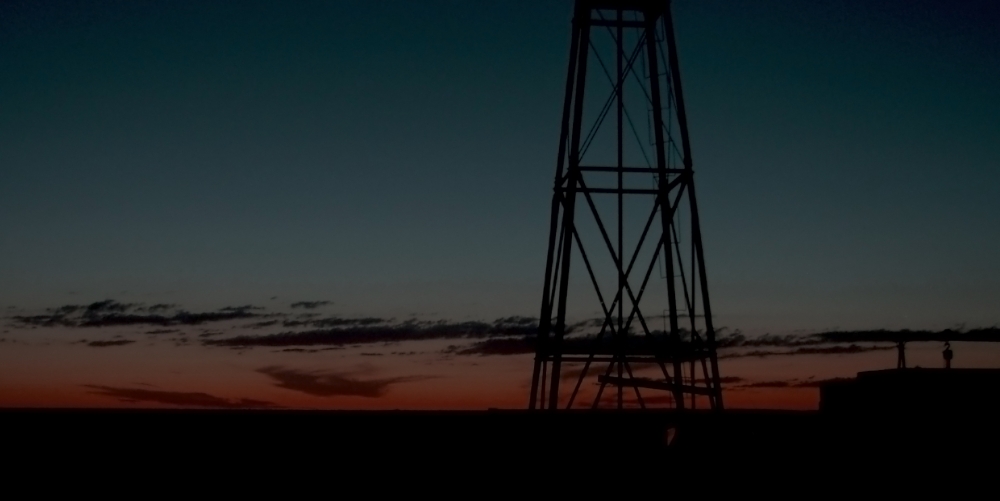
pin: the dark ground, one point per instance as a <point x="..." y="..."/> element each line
<point x="501" y="446"/>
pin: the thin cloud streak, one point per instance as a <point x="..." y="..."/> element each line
<point x="310" y="305"/>
<point x="333" y="384"/>
<point x="410" y="330"/>
<point x="178" y="398"/>
<point x="110" y="313"/>
<point x="790" y="383"/>
<point x="826" y="350"/>
<point x="513" y="335"/>
<point x="114" y="342"/>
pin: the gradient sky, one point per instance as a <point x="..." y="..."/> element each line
<point x="395" y="158"/>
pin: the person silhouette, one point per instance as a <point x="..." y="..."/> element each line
<point x="948" y="355"/>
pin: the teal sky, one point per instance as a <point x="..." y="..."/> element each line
<point x="396" y="158"/>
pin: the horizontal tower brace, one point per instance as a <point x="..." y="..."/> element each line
<point x="652" y="6"/>
<point x="650" y="170"/>
<point x="614" y="24"/>
<point x="624" y="191"/>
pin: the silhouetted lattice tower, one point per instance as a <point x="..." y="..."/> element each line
<point x="640" y="163"/>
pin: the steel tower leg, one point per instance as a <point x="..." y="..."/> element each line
<point x="641" y="34"/>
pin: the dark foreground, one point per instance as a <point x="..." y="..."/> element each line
<point x="280" y="444"/>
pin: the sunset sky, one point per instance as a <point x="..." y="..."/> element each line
<point x="345" y="204"/>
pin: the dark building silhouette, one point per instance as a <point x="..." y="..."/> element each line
<point x="914" y="391"/>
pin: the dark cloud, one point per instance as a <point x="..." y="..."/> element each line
<point x="66" y="310"/>
<point x="514" y="335"/>
<point x="331" y="384"/>
<point x="824" y="350"/>
<point x="593" y="323"/>
<point x="792" y="383"/>
<point x="182" y="399"/>
<point x="40" y="321"/>
<point x="585" y="345"/>
<point x="162" y="331"/>
<point x="115" y="342"/>
<point x="988" y="334"/>
<point x="262" y="324"/>
<point x="592" y="327"/>
<point x="528" y="322"/>
<point x="820" y="382"/>
<point x="571" y="345"/>
<point x="311" y="305"/>
<point x="498" y="346"/>
<point x="838" y="350"/>
<point x="158" y="307"/>
<point x="334" y="337"/>
<point x="179" y="318"/>
<point x="358" y="333"/>
<point x="247" y="307"/>
<point x="110" y="313"/>
<point x="574" y="373"/>
<point x="738" y="340"/>
<point x="108" y="306"/>
<point x="330" y="322"/>
<point x="767" y="384"/>
<point x="72" y="315"/>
